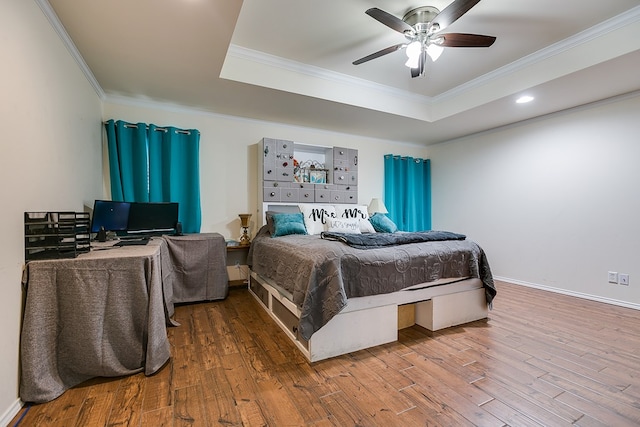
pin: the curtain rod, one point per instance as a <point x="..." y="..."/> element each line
<point x="415" y="159"/>
<point x="159" y="129"/>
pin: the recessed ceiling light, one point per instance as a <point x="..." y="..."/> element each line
<point x="524" y="99"/>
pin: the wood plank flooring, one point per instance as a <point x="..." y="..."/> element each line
<point x="541" y="359"/>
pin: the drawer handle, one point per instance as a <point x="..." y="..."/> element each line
<point x="275" y="184"/>
<point x="289" y="194"/>
<point x="322" y="196"/>
<point x="284" y="145"/>
<point x="355" y="160"/>
<point x="342" y="153"/>
<point x="273" y="194"/>
<point x="266" y="151"/>
<point x="285" y="164"/>
<point x="306" y="195"/>
<point x="269" y="171"/>
<point x="294" y="329"/>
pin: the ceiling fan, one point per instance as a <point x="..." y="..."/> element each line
<point x="421" y="27"/>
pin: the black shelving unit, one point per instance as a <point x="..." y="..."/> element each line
<point x="50" y="235"/>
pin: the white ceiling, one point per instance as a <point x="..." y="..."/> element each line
<point x="290" y="61"/>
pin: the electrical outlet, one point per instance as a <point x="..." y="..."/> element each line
<point x="613" y="277"/>
<point x="623" y="279"/>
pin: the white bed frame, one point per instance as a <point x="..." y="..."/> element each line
<point x="370" y="321"/>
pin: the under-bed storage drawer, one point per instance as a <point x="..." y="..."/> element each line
<point x="259" y="291"/>
<point x="447" y="310"/>
<point x="289" y="319"/>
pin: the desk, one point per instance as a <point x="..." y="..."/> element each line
<point x="100" y="314"/>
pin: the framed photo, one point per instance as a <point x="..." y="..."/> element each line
<point x="318" y="176"/>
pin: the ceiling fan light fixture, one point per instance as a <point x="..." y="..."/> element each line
<point x="421" y="27"/>
<point x="413" y="51"/>
<point x="434" y="51"/>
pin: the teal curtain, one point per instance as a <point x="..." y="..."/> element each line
<point x="148" y="163"/>
<point x="407" y="192"/>
<point x="127" y="145"/>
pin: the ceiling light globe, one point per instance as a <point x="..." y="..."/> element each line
<point x="434" y="51"/>
<point x="414" y="49"/>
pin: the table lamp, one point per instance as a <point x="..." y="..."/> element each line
<point x="244" y="222"/>
<point x="377" y="206"/>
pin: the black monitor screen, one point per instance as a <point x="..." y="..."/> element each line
<point x="110" y="215"/>
<point x="152" y="217"/>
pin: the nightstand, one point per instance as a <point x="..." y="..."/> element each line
<point x="237" y="267"/>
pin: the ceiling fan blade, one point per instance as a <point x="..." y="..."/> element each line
<point x="451" y="13"/>
<point x="378" y="54"/>
<point x="466" y="40"/>
<point x="389" y="20"/>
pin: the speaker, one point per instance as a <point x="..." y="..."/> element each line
<point x="178" y="229"/>
<point x="102" y="235"/>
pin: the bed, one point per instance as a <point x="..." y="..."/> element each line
<point x="332" y="297"/>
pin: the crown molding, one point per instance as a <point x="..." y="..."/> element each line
<point x="278" y="62"/>
<point x="71" y="47"/>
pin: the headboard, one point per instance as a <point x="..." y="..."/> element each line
<point x="290" y="173"/>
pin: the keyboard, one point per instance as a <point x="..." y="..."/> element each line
<point x="132" y="242"/>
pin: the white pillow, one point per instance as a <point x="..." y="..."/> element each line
<point x="348" y="225"/>
<point x="356" y="211"/>
<point x="316" y="216"/>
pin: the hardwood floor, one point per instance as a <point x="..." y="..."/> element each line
<point x="540" y="359"/>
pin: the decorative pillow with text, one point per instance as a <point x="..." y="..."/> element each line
<point x="316" y="217"/>
<point x="349" y="225"/>
<point x="358" y="212"/>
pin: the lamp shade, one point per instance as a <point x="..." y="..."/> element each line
<point x="376" y="206"/>
<point x="244" y="219"/>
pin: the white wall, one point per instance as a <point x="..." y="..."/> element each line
<point x="50" y="140"/>
<point x="554" y="202"/>
<point x="53" y="156"/>
<point x="229" y="163"/>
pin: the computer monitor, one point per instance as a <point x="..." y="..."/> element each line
<point x="152" y="218"/>
<point x="110" y="216"/>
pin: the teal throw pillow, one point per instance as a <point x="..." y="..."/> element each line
<point x="288" y="223"/>
<point x="382" y="224"/>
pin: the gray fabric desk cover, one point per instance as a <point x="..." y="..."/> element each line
<point x="197" y="267"/>
<point x="100" y="314"/>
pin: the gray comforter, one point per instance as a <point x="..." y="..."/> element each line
<point x="322" y="274"/>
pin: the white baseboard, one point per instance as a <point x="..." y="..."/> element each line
<point x="570" y="293"/>
<point x="11" y="412"/>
